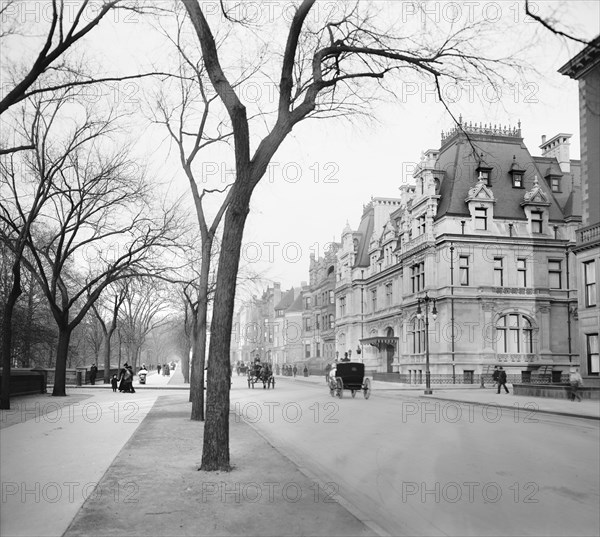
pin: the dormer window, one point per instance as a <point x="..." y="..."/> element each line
<point x="484" y="171"/>
<point x="555" y="183"/>
<point x="516" y="172"/>
<point x="536" y="221"/>
<point x="484" y="175"/>
<point x="481" y="218"/>
<point x="517" y="179"/>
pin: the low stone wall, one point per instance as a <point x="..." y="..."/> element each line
<point x="26" y="382"/>
<point x="555" y="391"/>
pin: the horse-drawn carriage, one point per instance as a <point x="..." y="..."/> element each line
<point x="349" y="376"/>
<point x="261" y="372"/>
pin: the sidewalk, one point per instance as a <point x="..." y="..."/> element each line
<point x="479" y="396"/>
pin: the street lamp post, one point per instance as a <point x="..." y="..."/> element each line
<point x="426" y="300"/>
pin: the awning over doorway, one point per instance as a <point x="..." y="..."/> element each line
<point x="380" y="341"/>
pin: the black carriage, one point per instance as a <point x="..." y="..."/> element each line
<point x="349" y="376"/>
<point x="261" y="373"/>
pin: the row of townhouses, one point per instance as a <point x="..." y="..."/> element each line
<point x="490" y="257"/>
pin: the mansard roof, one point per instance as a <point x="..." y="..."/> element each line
<point x="460" y="157"/>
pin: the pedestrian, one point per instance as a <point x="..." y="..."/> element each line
<point x="502" y="379"/>
<point x="575" y="382"/>
<point x="158" y="369"/>
<point x="114" y="381"/>
<point x="122" y="378"/>
<point x="93" y="374"/>
<point x="305" y="371"/>
<point x="130" y="380"/>
<point x="294" y="370"/>
<point x="495" y="375"/>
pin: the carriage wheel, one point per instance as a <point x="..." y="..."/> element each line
<point x="273" y="382"/>
<point x="339" y="388"/>
<point x="353" y="394"/>
<point x="367" y="388"/>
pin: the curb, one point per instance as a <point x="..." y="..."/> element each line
<point x="555" y="412"/>
<point x="350" y="507"/>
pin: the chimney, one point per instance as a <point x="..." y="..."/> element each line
<point x="558" y="147"/>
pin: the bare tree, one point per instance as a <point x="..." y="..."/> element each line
<point x="107" y="313"/>
<point x="22" y="197"/>
<point x="187" y="123"/>
<point x="552" y="23"/>
<point x="322" y="71"/>
<point x="66" y="28"/>
<point x="99" y="217"/>
<point x="145" y="308"/>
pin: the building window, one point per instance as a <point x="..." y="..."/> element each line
<point x="331" y="298"/>
<point x="515" y="334"/>
<point x="418" y="333"/>
<point x="317" y="323"/>
<point x="307" y="324"/>
<point x="593" y="359"/>
<point x="331" y="320"/>
<point x="521" y="272"/>
<point x="589" y="275"/>
<point x="480" y="218"/>
<point x="418" y="277"/>
<point x="554" y="274"/>
<point x="317" y="349"/>
<point x="307" y="350"/>
<point x="342" y="306"/>
<point x="374" y="300"/>
<point x="498" y="271"/>
<point x="307" y="302"/>
<point x="484" y="175"/>
<point x="463" y="269"/>
<point x="555" y="184"/>
<point x="517" y="180"/>
<point x="536" y="221"/>
<point x="421" y="225"/>
<point x="388" y="294"/>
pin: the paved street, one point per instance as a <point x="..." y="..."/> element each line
<point x="430" y="467"/>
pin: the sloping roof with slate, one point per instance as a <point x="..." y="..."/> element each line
<point x="286" y="300"/>
<point x="460" y="159"/>
<point x="297" y="305"/>
<point x="365" y="230"/>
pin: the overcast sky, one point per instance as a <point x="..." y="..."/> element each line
<point x="328" y="169"/>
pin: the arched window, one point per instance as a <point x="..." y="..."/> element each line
<point x="515" y="334"/>
<point x="418" y="335"/>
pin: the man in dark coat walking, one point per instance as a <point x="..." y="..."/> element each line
<point x="502" y="380"/>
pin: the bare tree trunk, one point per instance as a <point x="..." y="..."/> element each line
<point x="215" y="451"/>
<point x="62" y="353"/>
<point x="28" y="327"/>
<point x="13" y="296"/>
<point x="185" y="365"/>
<point x="199" y="360"/>
<point x="106" y="355"/>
